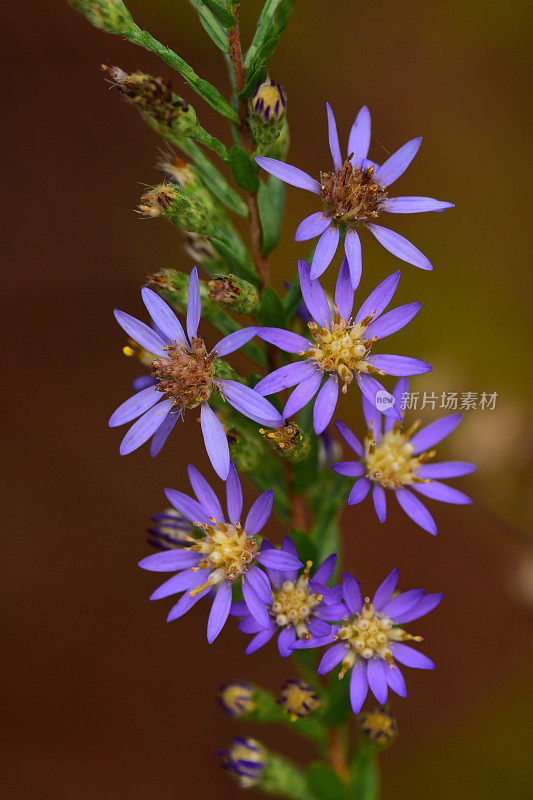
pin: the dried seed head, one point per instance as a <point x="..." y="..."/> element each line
<point x="351" y="195"/>
<point x="186" y="376"/>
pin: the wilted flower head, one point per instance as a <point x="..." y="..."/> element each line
<point x="245" y="758"/>
<point x="370" y="638"/>
<point x="236" y="699"/>
<point x="341" y="347"/>
<point x="296" y="605"/>
<point x="224" y="552"/>
<point x="185" y="373"/>
<point x="353" y="195"/>
<point x="395" y="456"/>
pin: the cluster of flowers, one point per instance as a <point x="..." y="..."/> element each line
<point x="212" y="553"/>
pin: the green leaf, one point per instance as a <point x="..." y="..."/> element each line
<point x="339" y="707"/>
<point x="283" y="778"/>
<point x="213" y="179"/>
<point x="270" y="25"/>
<point x="243" y="169"/>
<point x="271" y="312"/>
<point x="270" y="199"/>
<point x="364" y="773"/>
<point x="222" y="14"/>
<point x="306" y="548"/>
<point x="211" y="26"/>
<point x="238" y="262"/>
<point x="202" y="87"/>
<point x="324" y="783"/>
<point x="253" y="78"/>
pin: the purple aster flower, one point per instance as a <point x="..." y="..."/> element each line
<point x="341" y="347"/>
<point x="354" y="194"/>
<point x="394" y="456"/>
<point x="184" y="373"/>
<point x="370" y="639"/>
<point x="246" y="759"/>
<point x="297" y="601"/>
<point x="225" y="552"/>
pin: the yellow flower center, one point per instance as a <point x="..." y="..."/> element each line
<point x="390" y="461"/>
<point x="294" y="602"/>
<point x="185" y="375"/>
<point x="369" y="635"/>
<point x="351" y="194"/>
<point x="340" y="349"/>
<point x="227" y="551"/>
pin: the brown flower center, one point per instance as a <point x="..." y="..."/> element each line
<point x="341" y="348"/>
<point x="351" y="195"/>
<point x="185" y="375"/>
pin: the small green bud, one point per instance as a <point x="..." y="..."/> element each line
<point x="236" y="699"/>
<point x="378" y="725"/>
<point x="290" y="441"/>
<point x="298" y="699"/>
<point x="233" y="293"/>
<point x="108" y="15"/>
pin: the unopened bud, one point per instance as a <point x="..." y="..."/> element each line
<point x="378" y="726"/>
<point x="267" y="119"/>
<point x="236" y="699"/>
<point x="169" y="530"/>
<point x="268" y="101"/>
<point x="108" y="15"/>
<point x="246" y="759"/>
<point x="199" y="248"/>
<point x="290" y="441"/>
<point x="298" y="699"/>
<point x="233" y="293"/>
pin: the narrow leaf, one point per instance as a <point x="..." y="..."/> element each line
<point x="270" y="199"/>
<point x="271" y="312"/>
<point x="271" y="24"/>
<point x="211" y="26"/>
<point x="243" y="169"/>
<point x="324" y="783"/>
<point x="222" y="14"/>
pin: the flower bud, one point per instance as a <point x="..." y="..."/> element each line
<point x="236" y="699"/>
<point x="245" y="758"/>
<point x="289" y="441"/>
<point x="233" y="293"/>
<point x="267" y="117"/>
<point x="268" y="102"/>
<point x="169" y="530"/>
<point x="378" y="726"/>
<point x="298" y="699"/>
<point x="108" y="15"/>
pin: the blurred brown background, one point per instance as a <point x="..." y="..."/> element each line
<point x="102" y="697"/>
